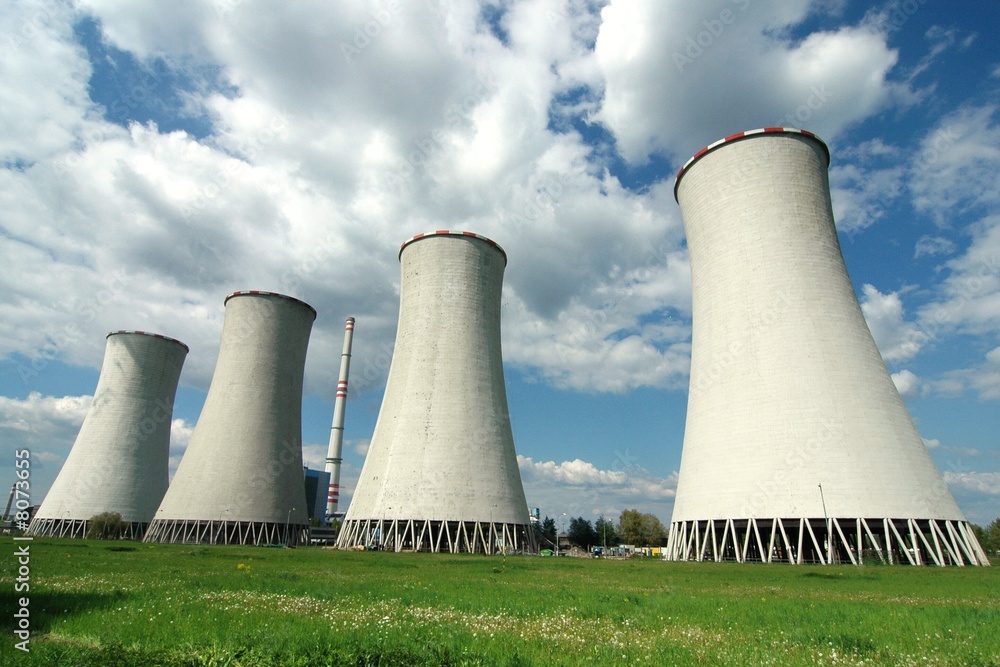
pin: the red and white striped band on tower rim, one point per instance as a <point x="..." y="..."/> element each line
<point x="747" y="135"/>
<point x="448" y="232"/>
<point x="148" y="333"/>
<point x="257" y="292"/>
<point x="350" y="323"/>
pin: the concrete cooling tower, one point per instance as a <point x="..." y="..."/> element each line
<point x="441" y="473"/>
<point x="119" y="462"/>
<point x="797" y="446"/>
<point x="240" y="481"/>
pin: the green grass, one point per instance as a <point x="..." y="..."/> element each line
<point x="100" y="603"/>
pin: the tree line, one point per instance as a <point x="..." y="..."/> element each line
<point x="989" y="539"/>
<point x="645" y="530"/>
<point x="633" y="527"/>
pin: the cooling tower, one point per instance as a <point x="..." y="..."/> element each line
<point x="240" y="481"/>
<point x="119" y="462"/>
<point x="441" y="472"/>
<point x="333" y="454"/>
<point x="797" y="445"/>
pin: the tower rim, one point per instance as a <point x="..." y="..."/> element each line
<point x="748" y="134"/>
<point x="450" y="232"/>
<point x="255" y="292"/>
<point x="138" y="332"/>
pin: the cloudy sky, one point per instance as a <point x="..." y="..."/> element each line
<point x="158" y="156"/>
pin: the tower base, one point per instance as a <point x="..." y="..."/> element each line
<point x="257" y="533"/>
<point x="827" y="541"/>
<point x="77" y="528"/>
<point x="437" y="536"/>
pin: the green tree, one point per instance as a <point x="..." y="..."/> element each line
<point x="105" y="526"/>
<point x="582" y="533"/>
<point x="607" y="533"/>
<point x="658" y="532"/>
<point x="548" y="530"/>
<point x="980" y="534"/>
<point x="991" y="545"/>
<point x="630" y="528"/>
<point x="641" y="530"/>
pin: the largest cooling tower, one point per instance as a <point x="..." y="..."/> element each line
<point x="797" y="445"/>
<point x="240" y="481"/>
<point x="441" y="473"/>
<point x="119" y="462"/>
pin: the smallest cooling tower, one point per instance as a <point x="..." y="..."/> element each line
<point x="441" y="473"/>
<point x="119" y="462"/>
<point x="240" y="481"/>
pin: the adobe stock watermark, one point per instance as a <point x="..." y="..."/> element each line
<point x="377" y="365"/>
<point x="935" y="147"/>
<point x="712" y="29"/>
<point x="817" y="99"/>
<point x="946" y="316"/>
<point x="827" y="436"/>
<point x="318" y="256"/>
<point x="898" y="14"/>
<point x="425" y="148"/>
<point x="545" y="194"/>
<point x="33" y="23"/>
<point x="939" y="143"/>
<point x="224" y="7"/>
<point x="707" y="375"/>
<point x="248" y="149"/>
<point x="22" y="582"/>
<point x="365" y="33"/>
<point x="139" y="94"/>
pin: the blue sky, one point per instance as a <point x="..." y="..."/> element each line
<point x="156" y="158"/>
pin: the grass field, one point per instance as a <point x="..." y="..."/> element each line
<point x="126" y="603"/>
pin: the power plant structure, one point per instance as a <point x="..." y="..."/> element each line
<point x="797" y="446"/>
<point x="317" y="482"/>
<point x="10" y="501"/>
<point x="334" y="455"/>
<point x="119" y="462"/>
<point x="441" y="473"/>
<point x="240" y="480"/>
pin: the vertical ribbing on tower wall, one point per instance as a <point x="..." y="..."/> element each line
<point x="240" y="481"/>
<point x="790" y="404"/>
<point x="119" y="461"/>
<point x="441" y="472"/>
<point x="335" y="451"/>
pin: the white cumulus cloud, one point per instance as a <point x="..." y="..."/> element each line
<point x="46" y="425"/>
<point x="897" y="339"/>
<point x="984" y="483"/>
<point x="656" y="57"/>
<point x="579" y="488"/>
<point x="906" y="382"/>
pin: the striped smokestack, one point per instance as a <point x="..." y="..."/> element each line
<point x="333" y="455"/>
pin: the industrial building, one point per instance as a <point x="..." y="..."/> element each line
<point x="441" y="473"/>
<point x="240" y="480"/>
<point x="797" y="446"/>
<point x="317" y="482"/>
<point x="120" y="459"/>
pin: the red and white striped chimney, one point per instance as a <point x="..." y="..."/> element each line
<point x="333" y="455"/>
